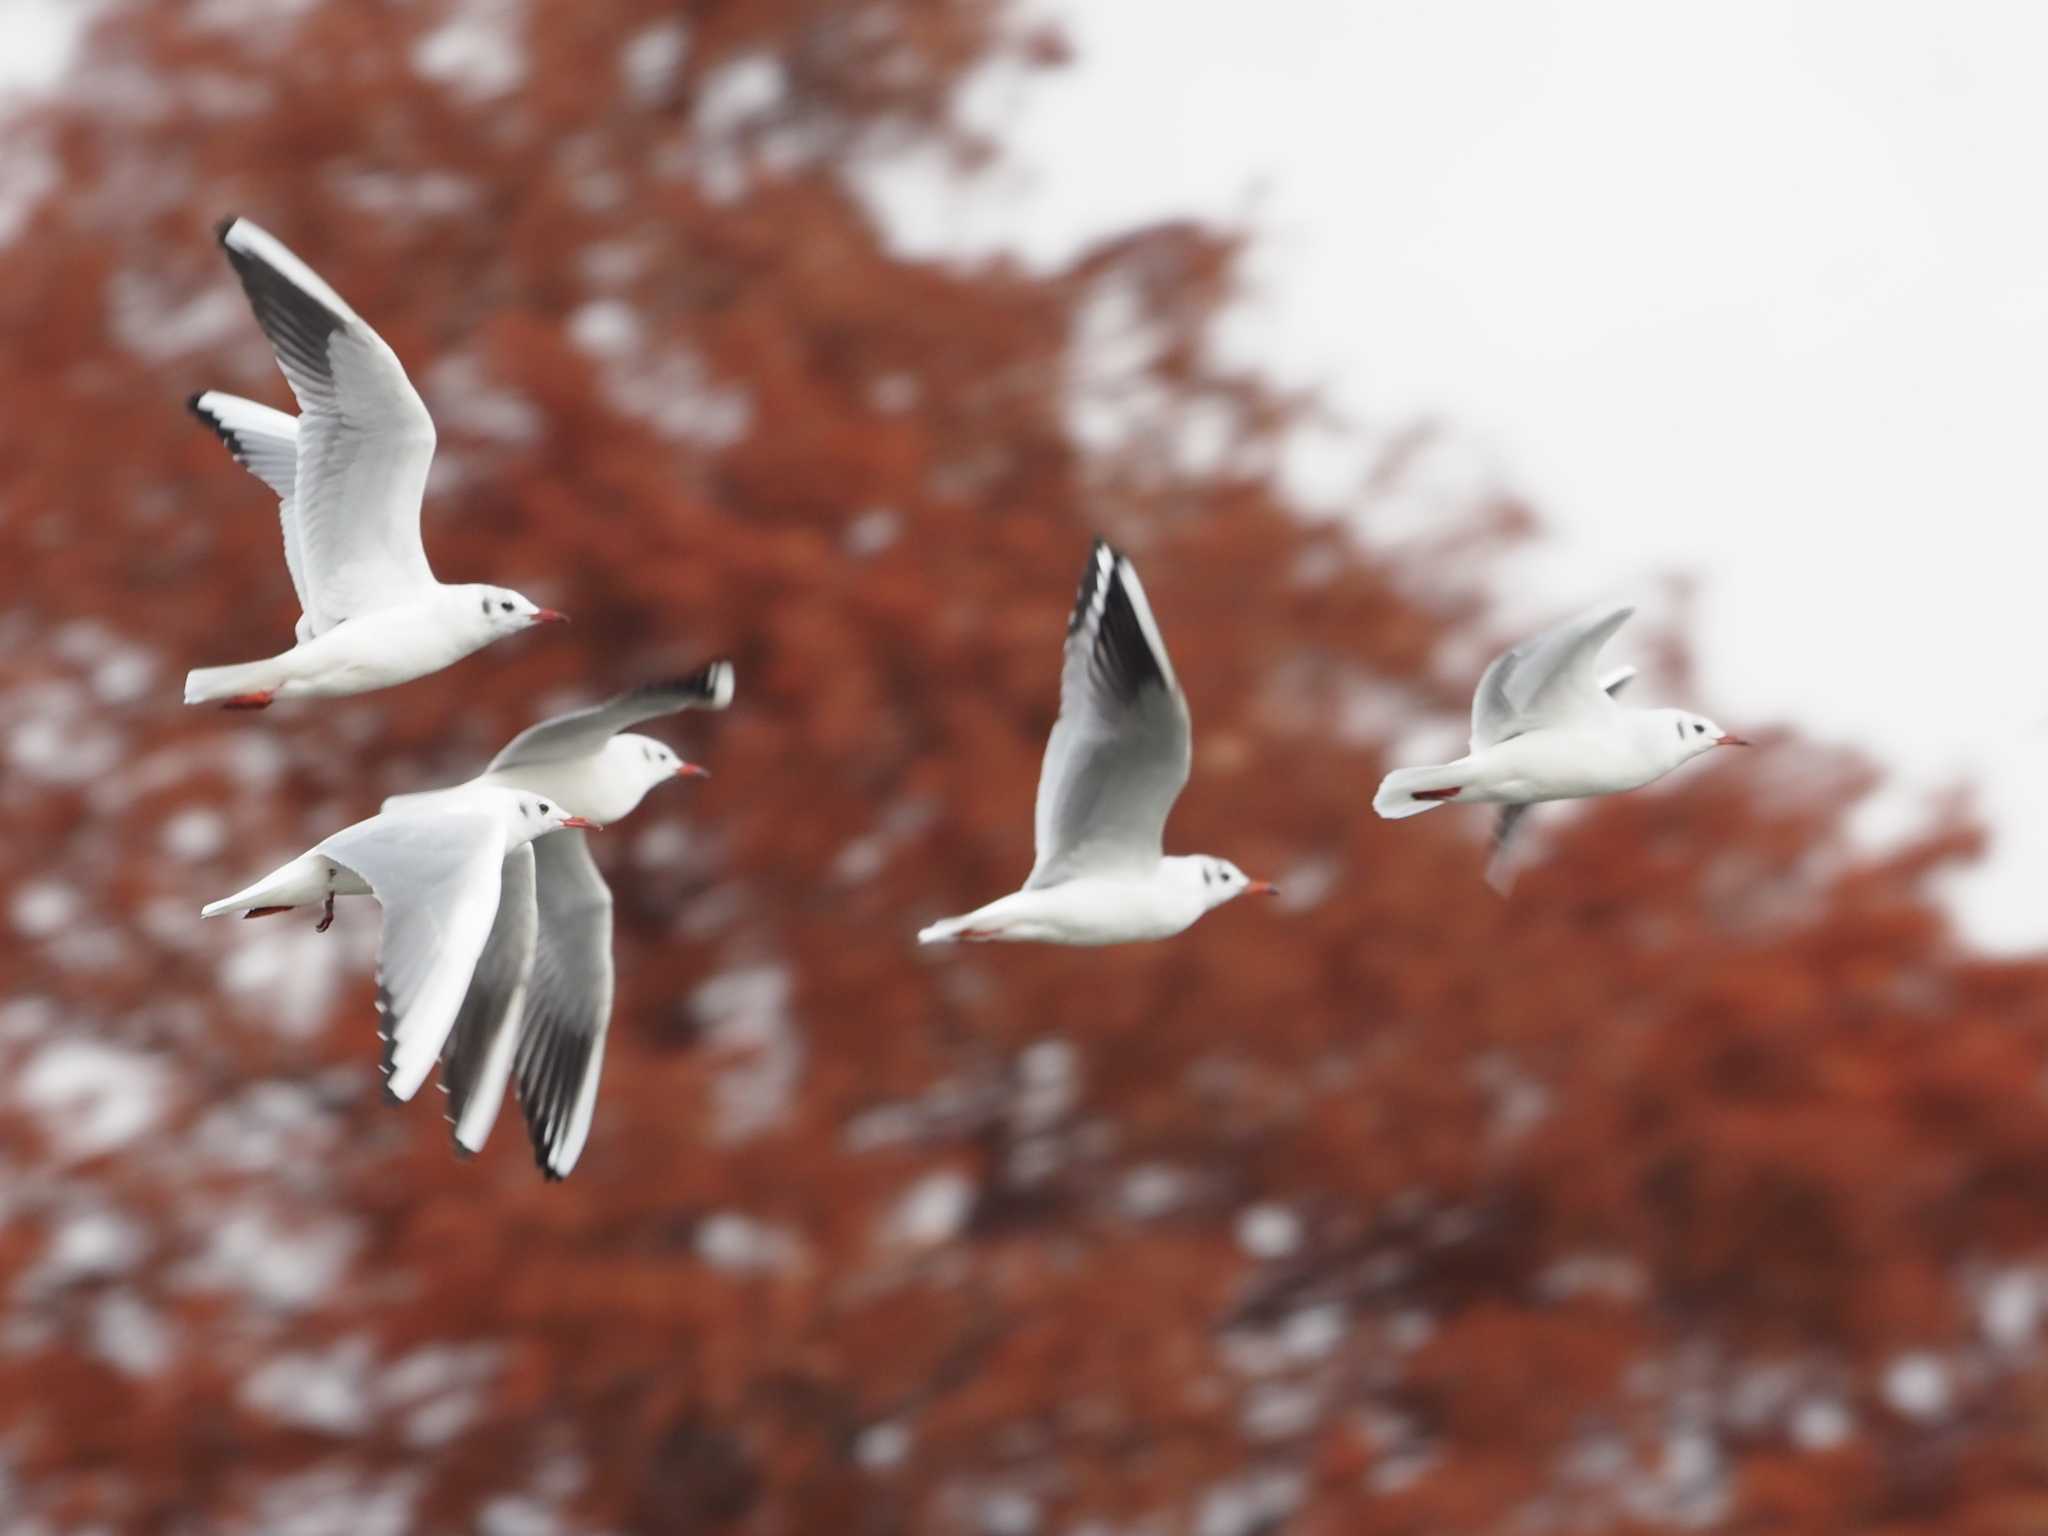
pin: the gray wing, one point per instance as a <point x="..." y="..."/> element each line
<point x="1119" y="752"/>
<point x="1500" y="872"/>
<point x="437" y="878"/>
<point x="365" y="440"/>
<point x="568" y="1004"/>
<point x="585" y="732"/>
<point x="266" y="443"/>
<point x="476" y="1063"/>
<point x="1547" y="681"/>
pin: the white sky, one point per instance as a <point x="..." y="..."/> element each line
<point x="1757" y="290"/>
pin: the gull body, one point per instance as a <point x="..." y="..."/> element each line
<point x="540" y="1026"/>
<point x="1114" y="766"/>
<point x="445" y="875"/>
<point x="349" y="472"/>
<point x="1547" y="726"/>
<point x="1102" y="909"/>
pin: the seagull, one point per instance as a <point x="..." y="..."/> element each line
<point x="554" y="1043"/>
<point x="349" y="472"/>
<point x="448" y="877"/>
<point x="1546" y="726"/>
<point x="1114" y="765"/>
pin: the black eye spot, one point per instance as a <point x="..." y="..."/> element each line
<point x="543" y="807"/>
<point x="506" y="606"/>
<point x="486" y="609"/>
<point x="1681" y="730"/>
<point x="1700" y="730"/>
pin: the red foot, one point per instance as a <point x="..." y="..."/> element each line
<point x="979" y="935"/>
<point x="1437" y="794"/>
<point x="263" y="912"/>
<point x="326" y="915"/>
<point x="250" y="700"/>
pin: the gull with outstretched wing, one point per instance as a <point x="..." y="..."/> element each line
<point x="538" y="1007"/>
<point x="1114" y="765"/>
<point x="349" y="472"/>
<point x="1546" y="726"/>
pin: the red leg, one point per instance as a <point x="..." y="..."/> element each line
<point x="1437" y="794"/>
<point x="326" y="915"/>
<point x="250" y="700"/>
<point x="980" y="935"/>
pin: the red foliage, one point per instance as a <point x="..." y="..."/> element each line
<point x="1700" y="1181"/>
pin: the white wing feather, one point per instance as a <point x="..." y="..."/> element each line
<point x="1119" y="753"/>
<point x="365" y="440"/>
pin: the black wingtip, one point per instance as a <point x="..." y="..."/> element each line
<point x="220" y="230"/>
<point x="192" y="404"/>
<point x="1092" y="575"/>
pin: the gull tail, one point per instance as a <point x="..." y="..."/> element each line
<point x="945" y="931"/>
<point x="246" y="680"/>
<point x="1411" y="791"/>
<point x="301" y="883"/>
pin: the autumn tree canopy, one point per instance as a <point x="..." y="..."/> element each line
<point x="1705" y="1181"/>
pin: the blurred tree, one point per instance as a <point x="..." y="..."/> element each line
<point x="1700" y="1183"/>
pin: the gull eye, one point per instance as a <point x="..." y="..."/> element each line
<point x="506" y="606"/>
<point x="543" y="807"/>
<point x="1700" y="730"/>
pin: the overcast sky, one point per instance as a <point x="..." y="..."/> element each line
<point x="1757" y="291"/>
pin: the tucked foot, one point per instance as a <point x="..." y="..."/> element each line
<point x="250" y="700"/>
<point x="263" y="912"/>
<point x="326" y="915"/>
<point x="979" y="935"/>
<point x="1436" y="794"/>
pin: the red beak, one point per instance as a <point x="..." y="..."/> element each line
<point x="550" y="616"/>
<point x="1262" y="888"/>
<point x="691" y="771"/>
<point x="584" y="824"/>
<point x="1732" y="741"/>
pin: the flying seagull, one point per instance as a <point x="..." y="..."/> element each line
<point x="349" y="472"/>
<point x="447" y="876"/>
<point x="1115" y="764"/>
<point x="553" y="1046"/>
<point x="1546" y="726"/>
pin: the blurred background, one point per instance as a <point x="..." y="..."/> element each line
<point x="1703" y="1184"/>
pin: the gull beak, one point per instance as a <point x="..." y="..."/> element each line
<point x="692" y="771"/>
<point x="1732" y="741"/>
<point x="1262" y="888"/>
<point x="584" y="824"/>
<point x="550" y="616"/>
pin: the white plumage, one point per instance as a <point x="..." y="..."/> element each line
<point x="1114" y="765"/>
<point x="349" y="473"/>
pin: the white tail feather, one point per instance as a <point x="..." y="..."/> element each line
<point x="203" y="685"/>
<point x="1396" y="797"/>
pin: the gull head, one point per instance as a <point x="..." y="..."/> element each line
<point x="502" y="611"/>
<point x="1219" y="880"/>
<point x="1684" y="735"/>
<point x="535" y="816"/>
<point x="633" y="765"/>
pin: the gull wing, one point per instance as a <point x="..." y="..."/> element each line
<point x="437" y="878"/>
<point x="584" y="732"/>
<point x="365" y="441"/>
<point x="1119" y="752"/>
<point x="569" y="1003"/>
<point x="476" y="1062"/>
